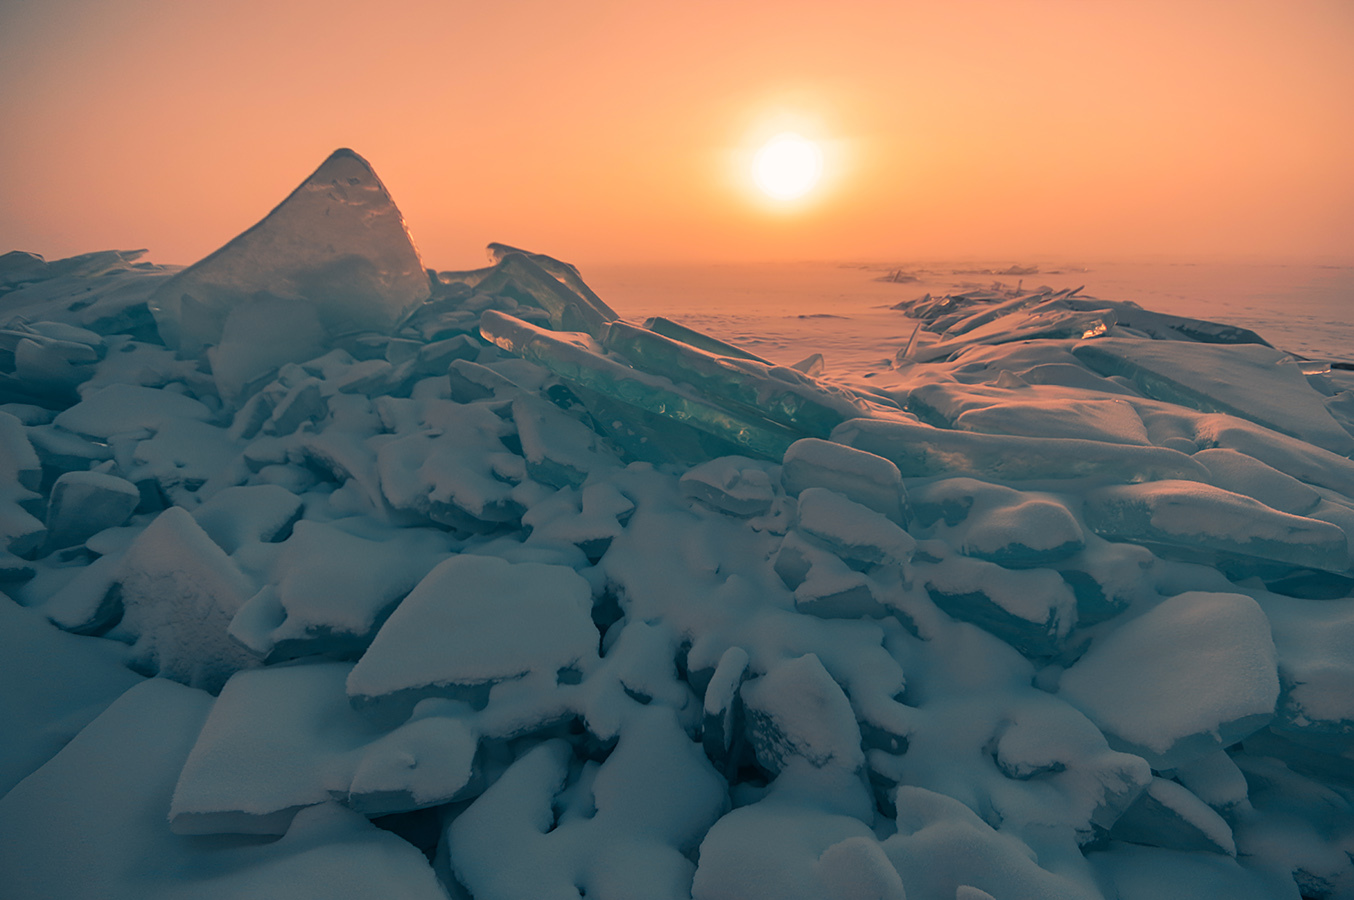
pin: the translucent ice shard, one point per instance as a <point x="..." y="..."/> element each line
<point x="780" y="394"/>
<point x="337" y="247"/>
<point x="698" y="339"/>
<point x="578" y="360"/>
<point x="571" y="308"/>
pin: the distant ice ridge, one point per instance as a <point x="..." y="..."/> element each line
<point x="335" y="577"/>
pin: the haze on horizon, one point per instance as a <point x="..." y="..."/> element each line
<point x="614" y="133"/>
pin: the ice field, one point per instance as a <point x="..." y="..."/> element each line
<point x="331" y="575"/>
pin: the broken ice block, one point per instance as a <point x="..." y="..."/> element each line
<point x="1242" y="474"/>
<point x="20" y="475"/>
<point x="1049" y="322"/>
<point x="731" y="484"/>
<point x="922" y="451"/>
<point x="699" y="339"/>
<point x="853" y="531"/>
<point x="458" y="472"/>
<point x="1027" y="533"/>
<point x="474" y="621"/>
<point x="333" y="588"/>
<point x="283" y="738"/>
<point x="123" y="408"/>
<point x="336" y="246"/>
<point x="241" y="515"/>
<point x="796" y="710"/>
<point x="778" y="393"/>
<point x="178" y="591"/>
<point x="525" y="281"/>
<point x="1190" y="517"/>
<point x="1033" y="610"/>
<point x="577" y="360"/>
<point x="1190" y="676"/>
<point x="565" y="272"/>
<point x="722" y="723"/>
<point x="1168" y="815"/>
<point x="823" y="584"/>
<point x="864" y="477"/>
<point x="84" y="503"/>
<point x="559" y="449"/>
<point x="1249" y="381"/>
<point x="554" y="826"/>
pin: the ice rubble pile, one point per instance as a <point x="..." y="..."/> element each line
<point x="459" y="585"/>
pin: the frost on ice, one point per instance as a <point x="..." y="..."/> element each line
<point x="332" y="576"/>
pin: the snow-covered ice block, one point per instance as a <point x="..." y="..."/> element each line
<point x="1252" y="382"/>
<point x="853" y="531"/>
<point x="922" y="451"/>
<point x="731" y="484"/>
<point x="93" y="819"/>
<point x="1136" y="872"/>
<point x="185" y="456"/>
<point x="84" y="503"/>
<point x="1193" y="674"/>
<point x="283" y="738"/>
<point x="332" y="588"/>
<point x="942" y="846"/>
<point x="559" y="449"/>
<point x="823" y="584"/>
<point x="556" y="826"/>
<point x="722" y="721"/>
<point x="336" y="247"/>
<point x="866" y="478"/>
<point x="1033" y="610"/>
<point x="797" y="710"/>
<point x="240" y="515"/>
<point x="1215" y="779"/>
<point x="1315" y="644"/>
<point x="1026" y="533"/>
<point x="1193" y="517"/>
<point x="589" y="519"/>
<point x="1242" y="474"/>
<point x="474" y="621"/>
<point x="770" y="850"/>
<point x="1112" y="421"/>
<point x="123" y="408"/>
<point x="1168" y="815"/>
<point x="179" y="591"/>
<point x="857" y="869"/>
<point x="458" y="472"/>
<point x="20" y="476"/>
<point x="51" y="685"/>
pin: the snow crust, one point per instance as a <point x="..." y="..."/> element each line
<point x="330" y="576"/>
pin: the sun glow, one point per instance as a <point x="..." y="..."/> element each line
<point x="788" y="166"/>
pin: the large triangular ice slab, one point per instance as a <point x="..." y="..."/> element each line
<point x="335" y="252"/>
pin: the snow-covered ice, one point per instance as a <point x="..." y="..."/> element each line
<point x="328" y="575"/>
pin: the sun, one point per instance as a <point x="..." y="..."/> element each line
<point x="788" y="166"/>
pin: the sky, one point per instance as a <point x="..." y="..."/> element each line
<point x="615" y="133"/>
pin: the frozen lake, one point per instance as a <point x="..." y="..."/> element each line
<point x="787" y="311"/>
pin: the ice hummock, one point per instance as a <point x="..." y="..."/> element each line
<point x="332" y="258"/>
<point x="497" y="594"/>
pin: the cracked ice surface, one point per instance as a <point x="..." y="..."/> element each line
<point x="328" y="576"/>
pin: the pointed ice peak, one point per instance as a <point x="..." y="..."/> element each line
<point x="337" y="245"/>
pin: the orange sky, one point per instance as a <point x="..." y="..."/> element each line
<point x="607" y="132"/>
